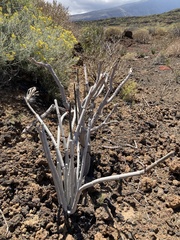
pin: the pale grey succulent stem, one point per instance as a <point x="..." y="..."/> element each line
<point x="73" y="151"/>
<point x="116" y="178"/>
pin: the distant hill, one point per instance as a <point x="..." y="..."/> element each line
<point x="141" y="8"/>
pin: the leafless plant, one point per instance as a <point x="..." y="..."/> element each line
<point x="7" y="227"/>
<point x="73" y="162"/>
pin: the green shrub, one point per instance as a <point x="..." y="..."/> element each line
<point x="128" y="91"/>
<point x="91" y="39"/>
<point x="26" y="32"/>
<point x="153" y="51"/>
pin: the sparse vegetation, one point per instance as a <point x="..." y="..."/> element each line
<point x="177" y="76"/>
<point x="74" y="161"/>
<point x="113" y="34"/>
<point x="174" y="30"/>
<point x="161" y="59"/>
<point x="56" y="12"/>
<point x="91" y="39"/>
<point x="128" y="91"/>
<point x="157" y="31"/>
<point x="173" y="50"/>
<point x="141" y="36"/>
<point x="166" y="19"/>
<point x="88" y="162"/>
<point x="130" y="56"/>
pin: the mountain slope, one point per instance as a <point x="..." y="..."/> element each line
<point x="141" y="8"/>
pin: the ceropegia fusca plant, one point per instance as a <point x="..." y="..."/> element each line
<point x="73" y="152"/>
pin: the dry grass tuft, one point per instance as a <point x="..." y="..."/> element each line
<point x="130" y="56"/>
<point x="173" y="50"/>
<point x="157" y="31"/>
<point x="142" y="36"/>
<point x="113" y="34"/>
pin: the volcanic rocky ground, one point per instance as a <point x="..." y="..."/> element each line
<point x="141" y="208"/>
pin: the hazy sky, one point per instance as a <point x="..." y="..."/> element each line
<point x="81" y="6"/>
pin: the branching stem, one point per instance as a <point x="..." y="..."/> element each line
<point x="73" y="158"/>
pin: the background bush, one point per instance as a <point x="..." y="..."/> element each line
<point x="26" y="31"/>
<point x="141" y="35"/>
<point x="128" y="91"/>
<point x="113" y="34"/>
<point x="157" y="31"/>
<point x="58" y="13"/>
<point x="173" y="50"/>
<point x="91" y="39"/>
<point x="175" y="31"/>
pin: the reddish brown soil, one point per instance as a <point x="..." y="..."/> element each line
<point x="144" y="208"/>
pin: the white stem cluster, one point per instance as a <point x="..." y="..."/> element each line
<point x="73" y="162"/>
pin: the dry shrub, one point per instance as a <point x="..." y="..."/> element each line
<point x="152" y="31"/>
<point x="173" y="50"/>
<point x="157" y="31"/>
<point x="175" y="31"/>
<point x="177" y="76"/>
<point x="161" y="59"/>
<point x="56" y="11"/>
<point x="160" y="31"/>
<point x="141" y="36"/>
<point x="130" y="56"/>
<point x="115" y="50"/>
<point x="113" y="34"/>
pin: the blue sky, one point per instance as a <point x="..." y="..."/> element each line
<point x="81" y="6"/>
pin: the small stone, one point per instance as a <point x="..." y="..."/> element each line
<point x="164" y="67"/>
<point x="99" y="236"/>
<point x="49" y="225"/>
<point x="152" y="236"/>
<point x="22" y="151"/>
<point x="160" y="193"/>
<point x="127" y="169"/>
<point x="23" y="229"/>
<point x="129" y="158"/>
<point x="69" y="237"/>
<point x="31" y="222"/>
<point x="3" y="170"/>
<point x="23" y="136"/>
<point x="36" y="200"/>
<point x="176" y="182"/>
<point x="112" y="153"/>
<point x="151" y="124"/>
<point x="178" y="115"/>
<point x="41" y="234"/>
<point x="173" y="201"/>
<point x="174" y="166"/>
<point x="148" y="183"/>
<point x="170" y="232"/>
<point x="14" y="222"/>
<point x="166" y="190"/>
<point x="119" y="199"/>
